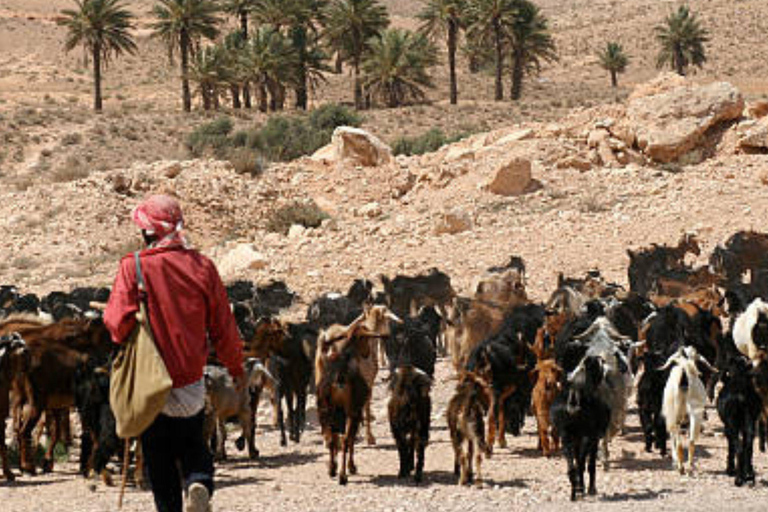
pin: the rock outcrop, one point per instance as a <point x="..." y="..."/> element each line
<point x="673" y="122"/>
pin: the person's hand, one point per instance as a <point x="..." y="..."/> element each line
<point x="239" y="383"/>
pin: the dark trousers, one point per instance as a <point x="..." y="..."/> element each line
<point x="174" y="449"/>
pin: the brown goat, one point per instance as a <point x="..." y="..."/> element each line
<point x="506" y="289"/>
<point x="55" y="352"/>
<point x="342" y="394"/>
<point x="14" y="360"/>
<point x="546" y="377"/>
<point x="465" y="414"/>
<point x="369" y="327"/>
<point x="471" y="322"/>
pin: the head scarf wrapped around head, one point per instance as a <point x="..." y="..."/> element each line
<point x="161" y="217"/>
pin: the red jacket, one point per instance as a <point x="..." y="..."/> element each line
<point x="187" y="307"/>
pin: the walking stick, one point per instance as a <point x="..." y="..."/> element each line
<point x="126" y="463"/>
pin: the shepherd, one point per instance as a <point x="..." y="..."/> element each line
<point x="187" y="307"/>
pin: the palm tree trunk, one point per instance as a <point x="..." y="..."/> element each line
<point x="453" y="30"/>
<point x="614" y="78"/>
<point x="185" y="92"/>
<point x="679" y="67"/>
<point x="358" y="86"/>
<point x="338" y="66"/>
<point x="518" y="73"/>
<point x="235" y="90"/>
<point x="499" y="60"/>
<point x="244" y="23"/>
<point x="205" y="93"/>
<point x="97" y="77"/>
<point x="263" y="99"/>
<point x="247" y="96"/>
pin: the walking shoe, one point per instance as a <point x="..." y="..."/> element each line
<point x="198" y="499"/>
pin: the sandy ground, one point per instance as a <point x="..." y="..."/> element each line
<point x="295" y="478"/>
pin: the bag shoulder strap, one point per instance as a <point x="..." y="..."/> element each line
<point x="139" y="273"/>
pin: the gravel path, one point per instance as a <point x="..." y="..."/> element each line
<point x="295" y="478"/>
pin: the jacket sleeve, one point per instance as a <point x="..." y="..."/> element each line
<point x="120" y="315"/>
<point x="222" y="330"/>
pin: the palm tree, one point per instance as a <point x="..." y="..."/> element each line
<point x="531" y="43"/>
<point x="353" y="25"/>
<point x="102" y="27"/>
<point x="180" y="23"/>
<point x="614" y="60"/>
<point x="444" y="19"/>
<point x="304" y="19"/>
<point x="233" y="45"/>
<point x="682" y="41"/>
<point x="210" y="70"/>
<point x="241" y="9"/>
<point x="396" y="68"/>
<point x="275" y="13"/>
<point x="269" y="63"/>
<point x="488" y="20"/>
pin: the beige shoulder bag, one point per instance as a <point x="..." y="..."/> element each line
<point x="139" y="384"/>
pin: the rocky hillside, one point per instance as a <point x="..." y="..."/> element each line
<point x="567" y="196"/>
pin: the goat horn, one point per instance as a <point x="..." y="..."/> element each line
<point x="99" y="306"/>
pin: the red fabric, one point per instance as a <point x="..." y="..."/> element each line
<point x="187" y="306"/>
<point x="160" y="215"/>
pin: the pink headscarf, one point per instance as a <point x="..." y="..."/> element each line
<point x="161" y="216"/>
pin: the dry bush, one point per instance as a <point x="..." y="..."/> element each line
<point x="306" y="214"/>
<point x="247" y="161"/>
<point x="71" y="170"/>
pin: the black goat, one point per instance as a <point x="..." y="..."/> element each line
<point x="581" y="419"/>
<point x="650" y="393"/>
<point x="292" y="367"/>
<point x="739" y="407"/>
<point x="335" y="308"/>
<point x="99" y="435"/>
<point x="410" y="411"/>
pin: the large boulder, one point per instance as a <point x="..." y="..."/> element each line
<point x="754" y="135"/>
<point x="511" y="179"/>
<point x="359" y="147"/>
<point x="241" y="258"/>
<point x="673" y="122"/>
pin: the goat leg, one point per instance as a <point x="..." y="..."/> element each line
<point x="280" y="419"/>
<point x="478" y="464"/>
<point x="355" y="428"/>
<point x="591" y="463"/>
<point x="492" y="420"/>
<point x="333" y="448"/>
<point x="749" y="442"/>
<point x="730" y="467"/>
<point x="570" y="457"/>
<point x="421" y="445"/>
<point x="7" y="473"/>
<point x="368" y="420"/>
<point x="344" y="452"/>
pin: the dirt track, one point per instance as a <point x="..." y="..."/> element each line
<point x="295" y="478"/>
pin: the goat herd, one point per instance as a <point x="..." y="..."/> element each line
<point x="679" y="337"/>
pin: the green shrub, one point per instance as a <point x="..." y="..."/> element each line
<point x="425" y="143"/>
<point x="213" y="135"/>
<point x="307" y="214"/>
<point x="282" y="138"/>
<point x="332" y="115"/>
<point x="286" y="138"/>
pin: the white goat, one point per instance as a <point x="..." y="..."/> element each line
<point x="750" y="330"/>
<point x="684" y="395"/>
